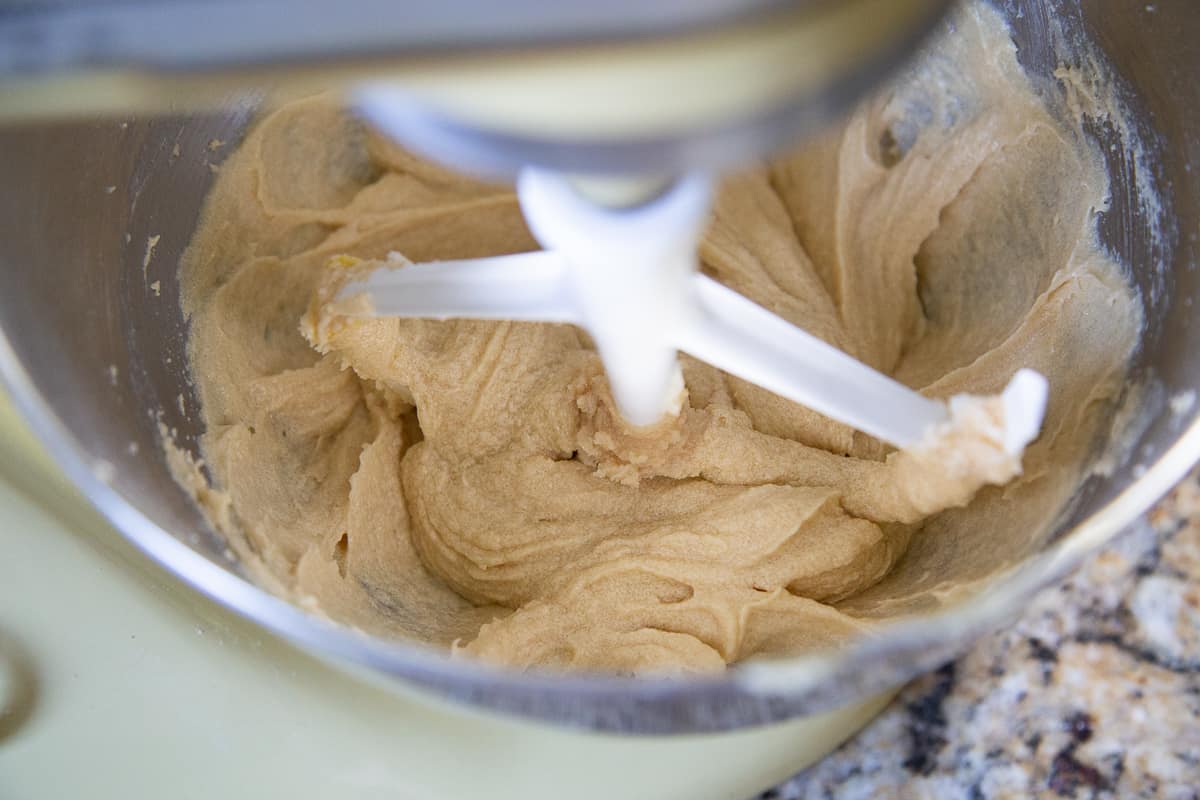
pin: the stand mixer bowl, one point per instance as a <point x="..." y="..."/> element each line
<point x="94" y="217"/>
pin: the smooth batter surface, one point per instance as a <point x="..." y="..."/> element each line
<point x="469" y="483"/>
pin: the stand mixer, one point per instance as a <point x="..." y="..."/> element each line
<point x="621" y="110"/>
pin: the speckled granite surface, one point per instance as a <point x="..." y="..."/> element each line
<point x="1095" y="693"/>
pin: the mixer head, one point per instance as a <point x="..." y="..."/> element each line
<point x="623" y="87"/>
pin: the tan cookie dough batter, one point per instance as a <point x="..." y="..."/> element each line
<point x="468" y="483"/>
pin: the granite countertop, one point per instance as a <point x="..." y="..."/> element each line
<point x="1095" y="693"/>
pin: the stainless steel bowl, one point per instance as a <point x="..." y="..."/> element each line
<point x="93" y="354"/>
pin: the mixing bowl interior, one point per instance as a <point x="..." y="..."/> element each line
<point x="94" y="216"/>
